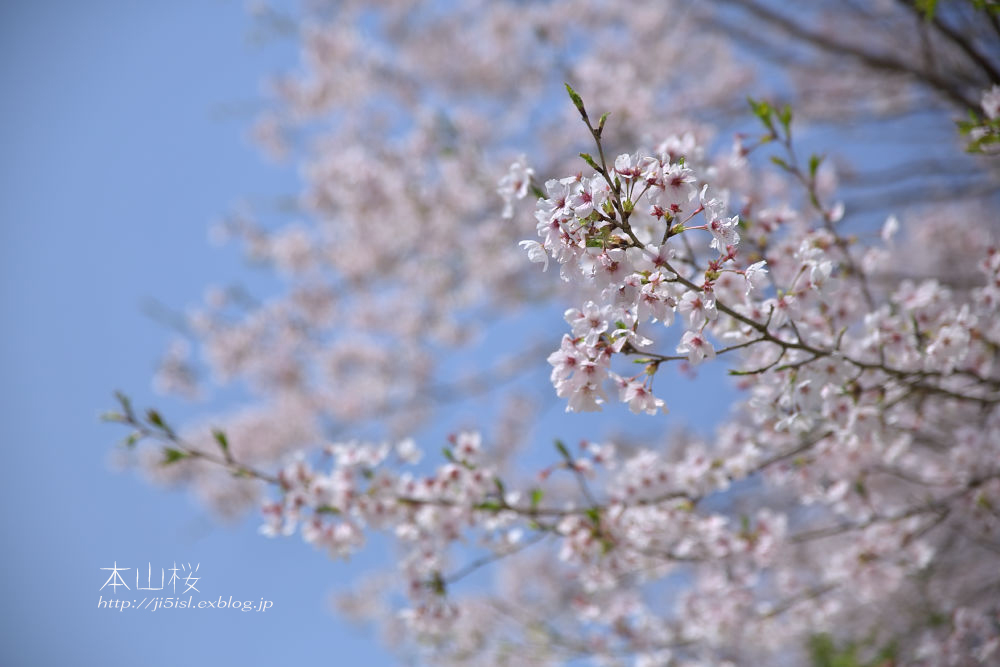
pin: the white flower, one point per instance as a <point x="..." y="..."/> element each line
<point x="588" y="323"/>
<point x="675" y="188"/>
<point x="515" y="185"/>
<point x="651" y="258"/>
<point x="696" y="347"/>
<point x="536" y="253"/>
<point x="468" y="444"/>
<point x="640" y="398"/>
<point x="587" y="398"/>
<point x="408" y="451"/>
<point x="698" y="308"/>
<point x="724" y="232"/>
<point x="627" y="166"/>
<point x="890" y="228"/>
<point x="754" y="275"/>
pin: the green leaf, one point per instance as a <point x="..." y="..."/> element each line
<point x="814" y="162"/>
<point x="763" y="111"/>
<point x="126" y="404"/>
<point x="573" y="95"/>
<point x="785" y="116"/>
<point x="590" y="161"/>
<point x="437" y="584"/>
<point x="536" y="498"/>
<point x="489" y="506"/>
<point x="172" y="455"/>
<point x="154" y="418"/>
<point x="326" y="509"/>
<point x="780" y="162"/>
<point x="220" y="438"/>
<point x="561" y="446"/>
<point x="578" y="103"/>
<point x="447" y="454"/>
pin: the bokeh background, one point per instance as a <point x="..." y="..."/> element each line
<point x="124" y="133"/>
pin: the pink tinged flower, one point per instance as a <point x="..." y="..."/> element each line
<point x="588" y="373"/>
<point x="627" y="166"/>
<point x="651" y="258"/>
<point x="819" y="273"/>
<point x="677" y="146"/>
<point x="619" y="382"/>
<point x="655" y="302"/>
<point x="676" y="187"/>
<point x="754" y="275"/>
<point x="625" y="334"/>
<point x="696" y="347"/>
<point x="770" y="219"/>
<point x="641" y="399"/>
<point x="950" y="346"/>
<point x="587" y="398"/>
<point x="564" y="361"/>
<point x="275" y="523"/>
<point x="536" y="253"/>
<point x="697" y="307"/>
<point x="554" y="204"/>
<point x="625" y="294"/>
<point x="467" y="445"/>
<point x="724" y="232"/>
<point x="611" y="268"/>
<point x="836" y="214"/>
<point x="557" y="196"/>
<point x="712" y="207"/>
<point x="408" y="451"/>
<point x="515" y="185"/>
<point x="591" y="196"/>
<point x="651" y="171"/>
<point x="582" y="202"/>
<point x="588" y="323"/>
<point x="549" y="228"/>
<point x="603" y="455"/>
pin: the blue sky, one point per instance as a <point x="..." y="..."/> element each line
<point x="123" y="127"/>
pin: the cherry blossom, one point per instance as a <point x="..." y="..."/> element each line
<point x="847" y="496"/>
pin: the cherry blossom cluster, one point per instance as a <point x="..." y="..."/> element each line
<point x="850" y="492"/>
<point x="617" y="230"/>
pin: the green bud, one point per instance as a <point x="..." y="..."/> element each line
<point x="171" y="455"/>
